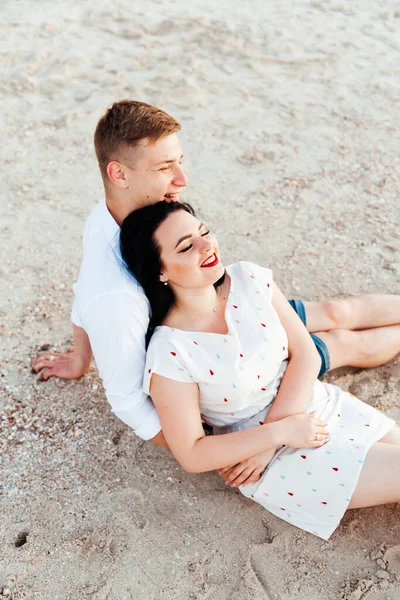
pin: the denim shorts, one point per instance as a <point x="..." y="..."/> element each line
<point x="322" y="348"/>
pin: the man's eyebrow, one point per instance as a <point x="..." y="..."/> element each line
<point x="186" y="237"/>
<point x="167" y="162"/>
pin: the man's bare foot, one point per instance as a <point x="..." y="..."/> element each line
<point x="65" y="365"/>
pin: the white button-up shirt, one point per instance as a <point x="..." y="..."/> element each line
<point x="114" y="311"/>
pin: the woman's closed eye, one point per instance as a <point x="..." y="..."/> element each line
<point x="191" y="245"/>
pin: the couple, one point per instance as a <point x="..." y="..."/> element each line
<point x="140" y="160"/>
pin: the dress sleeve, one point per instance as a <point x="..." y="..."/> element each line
<point x="166" y="357"/>
<point x="261" y="276"/>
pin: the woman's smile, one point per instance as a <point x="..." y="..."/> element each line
<point x="211" y="261"/>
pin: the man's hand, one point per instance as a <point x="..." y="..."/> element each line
<point x="68" y="365"/>
<point x="247" y="471"/>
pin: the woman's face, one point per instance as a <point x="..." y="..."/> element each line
<point x="189" y="254"/>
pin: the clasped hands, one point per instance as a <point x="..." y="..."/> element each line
<point x="298" y="431"/>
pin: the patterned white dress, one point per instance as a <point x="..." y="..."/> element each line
<point x="238" y="375"/>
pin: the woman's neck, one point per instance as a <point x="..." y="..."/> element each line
<point x="199" y="308"/>
<point x="198" y="302"/>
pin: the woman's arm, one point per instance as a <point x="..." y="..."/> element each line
<point x="178" y="409"/>
<point x="304" y="363"/>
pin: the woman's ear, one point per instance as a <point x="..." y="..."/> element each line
<point x="163" y="278"/>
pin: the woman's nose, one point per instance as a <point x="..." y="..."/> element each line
<point x="205" y="244"/>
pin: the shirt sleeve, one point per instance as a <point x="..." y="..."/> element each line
<point x="74" y="312"/>
<point x="261" y="276"/>
<point x="166" y="357"/>
<point x="116" y="324"/>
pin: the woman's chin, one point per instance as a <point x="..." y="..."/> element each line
<point x="218" y="272"/>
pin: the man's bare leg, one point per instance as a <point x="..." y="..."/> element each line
<point x="67" y="365"/>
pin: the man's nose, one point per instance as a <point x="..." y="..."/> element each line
<point x="180" y="177"/>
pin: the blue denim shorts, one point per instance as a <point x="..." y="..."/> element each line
<point x="323" y="351"/>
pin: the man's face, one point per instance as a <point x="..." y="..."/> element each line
<point x="154" y="171"/>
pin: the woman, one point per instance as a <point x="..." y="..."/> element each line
<point x="225" y="348"/>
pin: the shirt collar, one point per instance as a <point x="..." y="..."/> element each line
<point x="111" y="229"/>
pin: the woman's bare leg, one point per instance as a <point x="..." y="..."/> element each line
<point x="363" y="349"/>
<point x="379" y="481"/>
<point x="355" y="313"/>
<point x="392" y="437"/>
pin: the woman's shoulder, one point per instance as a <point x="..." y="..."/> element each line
<point x="162" y="336"/>
<point x="166" y="356"/>
<point x="168" y="338"/>
<point x="246" y="271"/>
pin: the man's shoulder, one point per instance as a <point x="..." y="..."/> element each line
<point x="103" y="278"/>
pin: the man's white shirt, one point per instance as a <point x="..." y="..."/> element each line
<point x="114" y="311"/>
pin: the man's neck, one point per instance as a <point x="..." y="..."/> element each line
<point x="118" y="209"/>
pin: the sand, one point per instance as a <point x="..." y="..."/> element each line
<point x="290" y="114"/>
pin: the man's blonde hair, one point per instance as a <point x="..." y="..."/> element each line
<point x="124" y="124"/>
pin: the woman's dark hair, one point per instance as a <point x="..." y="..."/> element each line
<point x="141" y="254"/>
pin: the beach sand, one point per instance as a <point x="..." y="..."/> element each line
<point x="290" y="114"/>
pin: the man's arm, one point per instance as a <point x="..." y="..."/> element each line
<point x="66" y="365"/>
<point x="116" y="323"/>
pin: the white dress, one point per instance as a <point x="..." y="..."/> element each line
<point x="238" y="375"/>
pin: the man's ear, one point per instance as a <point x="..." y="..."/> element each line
<point x="116" y="174"/>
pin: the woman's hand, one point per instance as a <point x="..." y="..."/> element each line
<point x="247" y="471"/>
<point x="302" y="431"/>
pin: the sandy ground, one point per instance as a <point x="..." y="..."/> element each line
<point x="291" y="115"/>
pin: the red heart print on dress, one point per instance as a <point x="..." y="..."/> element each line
<point x="241" y="355"/>
<point x="261" y="422"/>
<point x="366" y="425"/>
<point x="324" y="503"/>
<point x="195" y="343"/>
<point x="290" y="494"/>
<point x="303" y="456"/>
<point x="211" y="372"/>
<point x="225" y="399"/>
<point x="263" y="389"/>
<point x="149" y="371"/>
<point x="263" y="324"/>
<point x="234" y="305"/>
<point x="173" y="353"/>
<point x="267" y="284"/>
<point x="335" y="469"/>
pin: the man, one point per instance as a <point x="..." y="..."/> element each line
<point x="140" y="161"/>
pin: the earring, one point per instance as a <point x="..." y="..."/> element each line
<point x="165" y="282"/>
